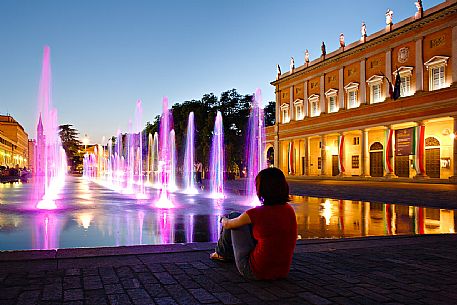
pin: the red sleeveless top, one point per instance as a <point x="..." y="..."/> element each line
<point x="275" y="229"/>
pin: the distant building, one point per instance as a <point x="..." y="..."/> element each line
<point x="13" y="143"/>
<point x="336" y="116"/>
<point x="31" y="155"/>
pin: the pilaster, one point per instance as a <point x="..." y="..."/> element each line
<point x="419" y="65"/>
<point x="363" y="83"/>
<point x="322" y="94"/>
<point x="341" y="88"/>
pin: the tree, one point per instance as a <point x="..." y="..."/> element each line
<point x="269" y="114"/>
<point x="71" y="144"/>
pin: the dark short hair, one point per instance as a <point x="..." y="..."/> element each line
<point x="272" y="187"/>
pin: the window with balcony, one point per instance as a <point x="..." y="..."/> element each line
<point x="331" y="96"/>
<point x="437" y="72"/>
<point x="405" y="80"/>
<point x="285" y="113"/>
<point x="352" y="90"/>
<point x="314" y="105"/>
<point x="375" y="84"/>
<point x="299" y="113"/>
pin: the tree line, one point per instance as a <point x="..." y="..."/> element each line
<point x="234" y="107"/>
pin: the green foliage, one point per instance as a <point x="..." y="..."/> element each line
<point x="71" y="144"/>
<point x="270" y="111"/>
<point x="235" y="109"/>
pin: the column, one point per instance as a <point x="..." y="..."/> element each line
<point x="388" y="69"/>
<point x="291" y="104"/>
<point x="305" y="155"/>
<point x="365" y="155"/>
<point x="363" y="83"/>
<point x="276" y="148"/>
<point x="454" y="159"/>
<point x="454" y="56"/>
<point x="305" y="98"/>
<point x="389" y="153"/>
<point x="419" y="158"/>
<point x="323" y="155"/>
<point x="322" y="94"/>
<point x="341" y="88"/>
<point x="419" y="66"/>
<point x="341" y="155"/>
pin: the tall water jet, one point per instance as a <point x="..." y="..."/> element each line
<point x="155" y="160"/>
<point x="189" y="157"/>
<point x="51" y="159"/>
<point x="138" y="132"/>
<point x="173" y="161"/>
<point x="217" y="159"/>
<point x="149" y="159"/>
<point x="255" y="144"/>
<point x="165" y="162"/>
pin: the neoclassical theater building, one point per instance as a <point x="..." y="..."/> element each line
<point x="336" y="115"/>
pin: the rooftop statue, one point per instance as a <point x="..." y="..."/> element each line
<point x="292" y="64"/>
<point x="342" y="44"/>
<point x="420" y="9"/>
<point x="363" y="29"/>
<point x="389" y="15"/>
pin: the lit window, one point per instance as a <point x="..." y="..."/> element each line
<point x="314" y="105"/>
<point x="375" y="84"/>
<point x="437" y="78"/>
<point x="299" y="113"/>
<point x="332" y="100"/>
<point x="437" y="72"/>
<point x="405" y="80"/>
<point x="351" y="91"/>
<point x="285" y="113"/>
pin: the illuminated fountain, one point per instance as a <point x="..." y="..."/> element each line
<point x="155" y="160"/>
<point x="167" y="157"/>
<point x="217" y="159"/>
<point x="189" y="157"/>
<point x="50" y="160"/>
<point x="138" y="135"/>
<point x="255" y="146"/>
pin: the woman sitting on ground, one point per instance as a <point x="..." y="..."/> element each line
<point x="262" y="239"/>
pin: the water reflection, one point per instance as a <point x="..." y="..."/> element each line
<point x="92" y="216"/>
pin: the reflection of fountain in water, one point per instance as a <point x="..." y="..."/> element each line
<point x="50" y="159"/>
<point x="217" y="159"/>
<point x="46" y="233"/>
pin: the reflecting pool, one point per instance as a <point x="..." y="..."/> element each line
<point x="90" y="215"/>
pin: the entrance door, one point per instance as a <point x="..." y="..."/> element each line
<point x="402" y="166"/>
<point x="376" y="168"/>
<point x="335" y="169"/>
<point x="432" y="162"/>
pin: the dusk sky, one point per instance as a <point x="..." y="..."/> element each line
<point x="107" y="54"/>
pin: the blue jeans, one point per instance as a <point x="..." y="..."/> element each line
<point x="237" y="244"/>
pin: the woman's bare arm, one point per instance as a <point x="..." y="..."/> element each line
<point x="234" y="223"/>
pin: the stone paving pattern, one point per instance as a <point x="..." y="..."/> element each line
<point x="381" y="270"/>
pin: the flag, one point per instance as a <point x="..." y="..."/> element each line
<point x="396" y="93"/>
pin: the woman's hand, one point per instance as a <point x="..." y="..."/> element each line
<point x="234" y="223"/>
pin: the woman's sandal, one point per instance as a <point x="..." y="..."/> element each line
<point x="216" y="257"/>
